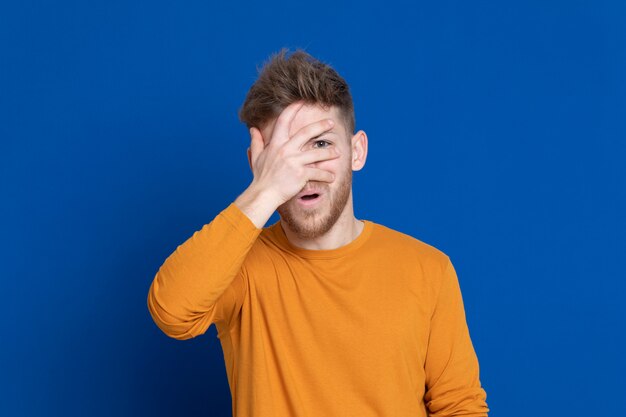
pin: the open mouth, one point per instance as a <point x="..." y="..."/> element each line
<point x="309" y="199"/>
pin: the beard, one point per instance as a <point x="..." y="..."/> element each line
<point x="310" y="223"/>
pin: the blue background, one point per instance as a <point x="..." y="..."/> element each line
<point x="496" y="134"/>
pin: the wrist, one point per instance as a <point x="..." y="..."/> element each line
<point x="257" y="203"/>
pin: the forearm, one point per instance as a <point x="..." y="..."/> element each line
<point x="183" y="294"/>
<point x="257" y="204"/>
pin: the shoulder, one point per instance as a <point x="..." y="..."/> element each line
<point x="406" y="245"/>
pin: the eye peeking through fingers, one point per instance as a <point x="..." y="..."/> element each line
<point x="323" y="141"/>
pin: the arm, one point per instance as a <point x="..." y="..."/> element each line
<point x="203" y="282"/>
<point x="452" y="371"/>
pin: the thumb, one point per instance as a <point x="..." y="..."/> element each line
<point x="256" y="144"/>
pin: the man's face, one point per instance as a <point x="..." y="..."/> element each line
<point x="309" y="221"/>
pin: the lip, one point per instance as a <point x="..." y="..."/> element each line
<point x="309" y="191"/>
<point x="309" y="203"/>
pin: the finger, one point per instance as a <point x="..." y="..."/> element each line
<point x="256" y="144"/>
<point x="318" y="174"/>
<point x="318" y="155"/>
<point x="310" y="131"/>
<point x="281" y="128"/>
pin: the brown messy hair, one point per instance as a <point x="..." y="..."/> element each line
<point x="284" y="80"/>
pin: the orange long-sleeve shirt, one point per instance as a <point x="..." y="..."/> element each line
<point x="375" y="328"/>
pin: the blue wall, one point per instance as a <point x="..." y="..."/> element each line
<point x="496" y="133"/>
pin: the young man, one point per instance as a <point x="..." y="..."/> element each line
<point x="319" y="314"/>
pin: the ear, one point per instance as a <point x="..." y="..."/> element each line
<point x="359" y="150"/>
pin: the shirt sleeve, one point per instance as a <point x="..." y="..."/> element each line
<point x="453" y="385"/>
<point x="203" y="281"/>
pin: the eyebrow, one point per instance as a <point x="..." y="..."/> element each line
<point x="322" y="134"/>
